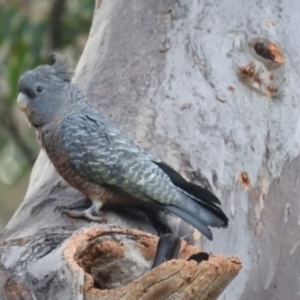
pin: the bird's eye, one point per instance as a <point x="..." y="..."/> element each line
<point x="39" y="89"/>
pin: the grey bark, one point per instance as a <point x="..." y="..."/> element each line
<point x="166" y="72"/>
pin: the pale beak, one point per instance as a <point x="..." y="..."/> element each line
<point x="23" y="102"/>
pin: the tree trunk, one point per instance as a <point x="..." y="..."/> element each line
<point x="207" y="87"/>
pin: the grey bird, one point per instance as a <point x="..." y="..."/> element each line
<point x="94" y="157"/>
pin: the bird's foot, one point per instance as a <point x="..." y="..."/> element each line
<point x="89" y="214"/>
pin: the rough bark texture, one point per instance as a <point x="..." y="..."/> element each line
<point x="176" y="77"/>
<point x="105" y="263"/>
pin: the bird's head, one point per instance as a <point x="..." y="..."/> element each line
<point x="44" y="92"/>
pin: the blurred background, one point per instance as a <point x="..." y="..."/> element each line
<point x="29" y="31"/>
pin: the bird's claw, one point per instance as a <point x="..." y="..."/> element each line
<point x="86" y="214"/>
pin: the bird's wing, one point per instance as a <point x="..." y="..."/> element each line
<point x="100" y="153"/>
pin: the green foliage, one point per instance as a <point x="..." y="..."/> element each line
<point x="24" y="38"/>
<point x="28" y="30"/>
<point x="77" y="21"/>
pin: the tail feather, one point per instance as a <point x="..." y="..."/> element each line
<point x="189" y="187"/>
<point x="198" y="207"/>
<point x="168" y="248"/>
<point x="192" y="220"/>
<point x="213" y="217"/>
